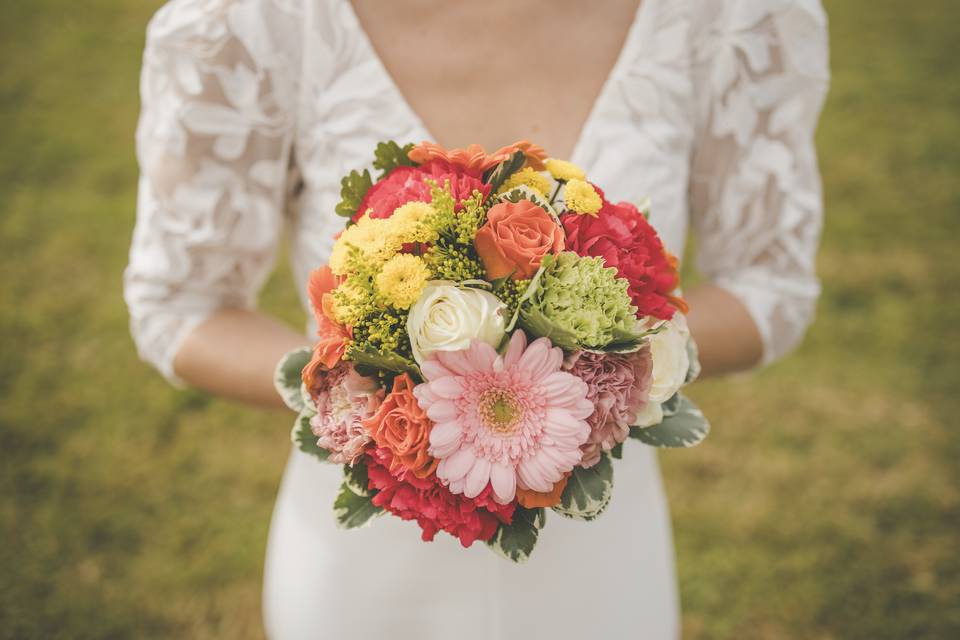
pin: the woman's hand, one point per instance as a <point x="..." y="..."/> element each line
<point x="233" y="354"/>
<point x="726" y="335"/>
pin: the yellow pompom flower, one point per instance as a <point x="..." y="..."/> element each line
<point x="371" y="236"/>
<point x="409" y="222"/>
<point x="580" y="197"/>
<point x="402" y="279"/>
<point x="529" y="178"/>
<point x="564" y="170"/>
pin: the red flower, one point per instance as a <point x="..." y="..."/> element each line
<point x="625" y="240"/>
<point x="431" y="504"/>
<point x="407" y="184"/>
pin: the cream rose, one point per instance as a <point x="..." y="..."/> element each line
<point x="447" y="317"/>
<point x="668" y="347"/>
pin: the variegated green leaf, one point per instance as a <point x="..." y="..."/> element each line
<point x="671" y="405"/>
<point x="286" y="377"/>
<point x="303" y="437"/>
<point x="694" y="354"/>
<point x="496" y="176"/>
<point x="523" y="192"/>
<point x="352" y="510"/>
<point x="356" y="479"/>
<point x="515" y="541"/>
<point x="588" y="491"/>
<point x="686" y="427"/>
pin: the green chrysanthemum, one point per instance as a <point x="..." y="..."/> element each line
<point x="579" y="303"/>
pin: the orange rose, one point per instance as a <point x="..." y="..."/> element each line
<point x="515" y="238"/>
<point x="402" y="427"/>
<point x="533" y="499"/>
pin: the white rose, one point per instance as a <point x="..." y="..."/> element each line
<point x="651" y="414"/>
<point x="668" y="348"/>
<point x="447" y="318"/>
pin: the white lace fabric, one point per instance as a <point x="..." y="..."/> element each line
<point x="252" y="110"/>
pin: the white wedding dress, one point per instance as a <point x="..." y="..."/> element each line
<point x="253" y="110"/>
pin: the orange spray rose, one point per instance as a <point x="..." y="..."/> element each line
<point x="515" y="238"/>
<point x="401" y="426"/>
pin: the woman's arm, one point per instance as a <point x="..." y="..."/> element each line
<point x="233" y="354"/>
<point x="726" y="335"/>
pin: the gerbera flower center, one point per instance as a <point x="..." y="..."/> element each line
<point x="500" y="411"/>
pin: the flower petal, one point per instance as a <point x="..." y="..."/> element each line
<point x="503" y="479"/>
<point x="477" y="478"/>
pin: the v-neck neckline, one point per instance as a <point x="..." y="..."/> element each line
<point x="612" y="75"/>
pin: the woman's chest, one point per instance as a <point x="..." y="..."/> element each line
<point x="501" y="70"/>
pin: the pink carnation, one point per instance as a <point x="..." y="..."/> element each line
<point x="618" y="385"/>
<point x="344" y="400"/>
<point x="431" y="504"/>
<point x="504" y="421"/>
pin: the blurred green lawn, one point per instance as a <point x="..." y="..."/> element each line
<point x="826" y="504"/>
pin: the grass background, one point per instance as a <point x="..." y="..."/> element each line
<point x="826" y="504"/>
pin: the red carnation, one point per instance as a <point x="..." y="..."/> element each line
<point x="407" y="184"/>
<point x="625" y="240"/>
<point x="432" y="505"/>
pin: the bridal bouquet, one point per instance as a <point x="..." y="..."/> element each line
<point x="491" y="330"/>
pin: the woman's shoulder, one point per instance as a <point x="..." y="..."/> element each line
<point x="261" y="26"/>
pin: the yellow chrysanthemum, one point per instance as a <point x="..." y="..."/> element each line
<point x="581" y="197"/>
<point x="564" y="170"/>
<point x="402" y="279"/>
<point x="408" y="222"/>
<point x="371" y="236"/>
<point x="529" y="178"/>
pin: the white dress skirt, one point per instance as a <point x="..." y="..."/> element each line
<point x="252" y="112"/>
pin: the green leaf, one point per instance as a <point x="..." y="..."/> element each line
<point x="351" y="510"/>
<point x="390" y="155"/>
<point x="588" y="491"/>
<point x="515" y="541"/>
<point x="352" y="189"/>
<point x="685" y="428"/>
<point x="392" y="361"/>
<point x="356" y="479"/>
<point x="287" y="378"/>
<point x="496" y="176"/>
<point x="617" y="451"/>
<point x="303" y="437"/>
<point x="523" y="192"/>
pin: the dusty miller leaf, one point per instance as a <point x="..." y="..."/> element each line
<point x="287" y="377"/>
<point x="588" y="491"/>
<point x="686" y="427"/>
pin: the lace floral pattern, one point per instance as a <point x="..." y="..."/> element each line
<point x="255" y="108"/>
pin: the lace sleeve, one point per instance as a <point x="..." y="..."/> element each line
<point x="218" y="94"/>
<point x="761" y="75"/>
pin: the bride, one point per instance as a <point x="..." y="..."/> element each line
<point x="253" y="109"/>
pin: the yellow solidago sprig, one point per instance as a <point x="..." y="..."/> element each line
<point x="564" y="170"/>
<point x="373" y="241"/>
<point x="402" y="279"/>
<point x="454" y="226"/>
<point x="580" y="197"/>
<point x="529" y="178"/>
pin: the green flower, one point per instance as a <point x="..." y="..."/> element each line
<point x="579" y="303"/>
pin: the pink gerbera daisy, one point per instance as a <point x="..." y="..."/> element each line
<point x="510" y="420"/>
